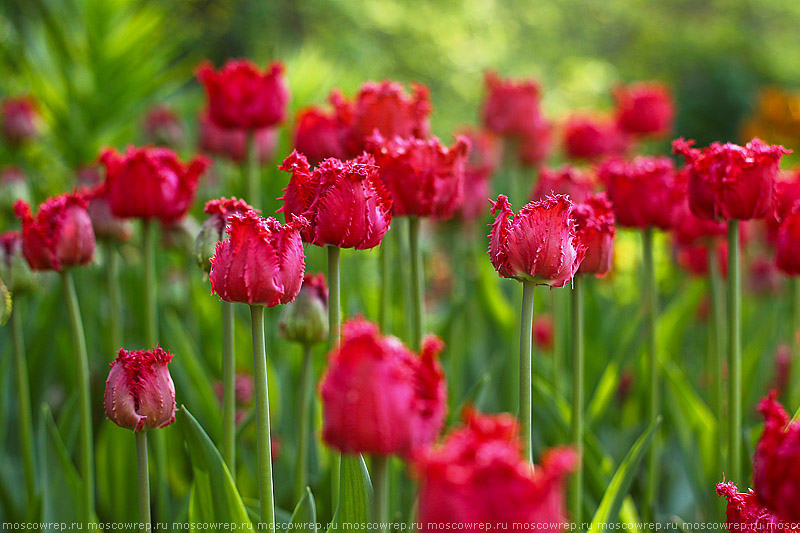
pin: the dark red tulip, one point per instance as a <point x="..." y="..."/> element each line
<point x="162" y="126"/>
<point x="641" y="190"/>
<point x="512" y="108"/>
<point x="231" y="143"/>
<point x="140" y="394"/>
<point x="483" y="160"/>
<point x="477" y="480"/>
<point x="593" y="137"/>
<point x="150" y="183"/>
<point x="20" y="119"/>
<point x="320" y="135"/>
<point x="569" y="180"/>
<point x="380" y="398"/>
<point x="535" y="146"/>
<point x="645" y="109"/>
<point x="425" y="178"/>
<point x="787" y="246"/>
<point x="537" y="244"/>
<point x="594" y="225"/>
<point x="387" y="108"/>
<point x="59" y="236"/>
<point x="243" y="97"/>
<point x="345" y="202"/>
<point x="686" y="227"/>
<point x="731" y="181"/>
<point x="543" y="332"/>
<point x="213" y="229"/>
<point x="787" y="193"/>
<point x="261" y="262"/>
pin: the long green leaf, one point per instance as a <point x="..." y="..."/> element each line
<point x="60" y="482"/>
<point x="355" y="494"/>
<point x="304" y="517"/>
<point x="610" y="505"/>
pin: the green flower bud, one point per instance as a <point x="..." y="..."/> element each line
<point x="14" y="270"/>
<point x="305" y="320"/>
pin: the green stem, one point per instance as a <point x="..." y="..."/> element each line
<point x="380" y="479"/>
<point x="577" y="396"/>
<point x="558" y="347"/>
<point x="417" y="283"/>
<point x="114" y="297"/>
<point x="717" y="347"/>
<point x="794" y="393"/>
<point x="304" y="420"/>
<point x="144" y="479"/>
<point x="228" y="388"/>
<point x="383" y="311"/>
<point x="84" y="397"/>
<point x="24" y="398"/>
<point x="335" y="329"/>
<point x="525" y="338"/>
<point x="253" y="174"/>
<point x="650" y="308"/>
<point x="264" y="440"/>
<point x="735" y="351"/>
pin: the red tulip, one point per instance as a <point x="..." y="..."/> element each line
<point x="345" y="202"/>
<point x="594" y="225"/>
<point x="543" y="332"/>
<point x="537" y="244"/>
<point x="20" y="118"/>
<point x="569" y="180"/>
<point x="320" y="135"/>
<point x="477" y="480"/>
<point x="694" y="257"/>
<point x="386" y="107"/>
<point x="593" y="137"/>
<point x="512" y="108"/>
<point x="483" y="160"/>
<point x="787" y="193"/>
<point x="213" y="229"/>
<point x="645" y="109"/>
<point x="140" y="394"/>
<point x="262" y="262"/>
<point x="150" y="183"/>
<point x="107" y="227"/>
<point x="641" y="190"/>
<point x="787" y="247"/>
<point x="378" y="397"/>
<point x="240" y="96"/>
<point x="59" y="236"/>
<point x="425" y="178"/>
<point x="687" y="228"/>
<point x="162" y="126"/>
<point x="231" y="143"/>
<point x="536" y="145"/>
<point x="731" y="181"/>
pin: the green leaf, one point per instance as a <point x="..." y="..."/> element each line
<point x="115" y="456"/>
<point x="355" y="494"/>
<point x="213" y="497"/>
<point x="610" y="505"/>
<point x="60" y="482"/>
<point x="304" y="517"/>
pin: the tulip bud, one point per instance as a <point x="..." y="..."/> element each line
<point x="140" y="393"/>
<point x="213" y="229"/>
<point x="306" y="319"/>
<point x="13" y="186"/>
<point x="20" y="120"/>
<point x="14" y="270"/>
<point x="162" y="126"/>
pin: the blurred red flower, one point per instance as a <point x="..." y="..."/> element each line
<point x="511" y="107"/>
<point x="162" y="126"/>
<point x="20" y="119"/>
<point x="593" y="137"/>
<point x="645" y="109"/>
<point x="320" y="135"/>
<point x="641" y="190"/>
<point x="787" y="246"/>
<point x="482" y="161"/>
<point x="594" y="225"/>
<point x="387" y="108"/>
<point x="213" y="229"/>
<point x="566" y="179"/>
<point x="231" y="143"/>
<point x="543" y="332"/>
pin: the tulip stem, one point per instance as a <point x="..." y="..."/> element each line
<point x="84" y="396"/>
<point x="24" y="398"/>
<point x="383" y="311"/>
<point x="525" y="338"/>
<point x="735" y="351"/>
<point x="114" y="297"/>
<point x="417" y="282"/>
<point x="335" y="333"/>
<point x="306" y="386"/>
<point x="649" y="296"/>
<point x="558" y="347"/>
<point x="380" y="478"/>
<point x="144" y="480"/>
<point x="228" y="388"/>
<point x="717" y="346"/>
<point x="253" y="177"/>
<point x="264" y="440"/>
<point x="577" y="397"/>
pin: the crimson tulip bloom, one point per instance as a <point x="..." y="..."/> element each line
<point x="320" y="135"/>
<point x="387" y="108"/>
<point x="645" y="109"/>
<point x="535" y="146"/>
<point x="162" y="126"/>
<point x="20" y="119"/>
<point x="569" y="180"/>
<point x="641" y="190"/>
<point x="478" y="478"/>
<point x="787" y="193"/>
<point x="512" y="108"/>
<point x="594" y="225"/>
<point x="483" y="160"/>
<point x="150" y="183"/>
<point x="345" y="202"/>
<point x="240" y="96"/>
<point x="426" y="179"/>
<point x="213" y="229"/>
<point x="261" y="262"/>
<point x="59" y="236"/>
<point x="140" y="394"/>
<point x="593" y="137"/>
<point x="231" y="143"/>
<point x="731" y="181"/>
<point x="378" y="397"/>
<point x="537" y="244"/>
<point x="787" y="247"/>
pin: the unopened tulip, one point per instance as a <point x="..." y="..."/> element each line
<point x="15" y="273"/>
<point x="213" y="229"/>
<point x="478" y="480"/>
<point x="380" y="398"/>
<point x="645" y="109"/>
<point x="537" y="244"/>
<point x="345" y="202"/>
<point x="641" y="190"/>
<point x="305" y="320"/>
<point x="59" y="236"/>
<point x="140" y="394"/>
<point x="261" y="262"/>
<point x="20" y="120"/>
<point x="594" y="225"/>
<point x="162" y="126"/>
